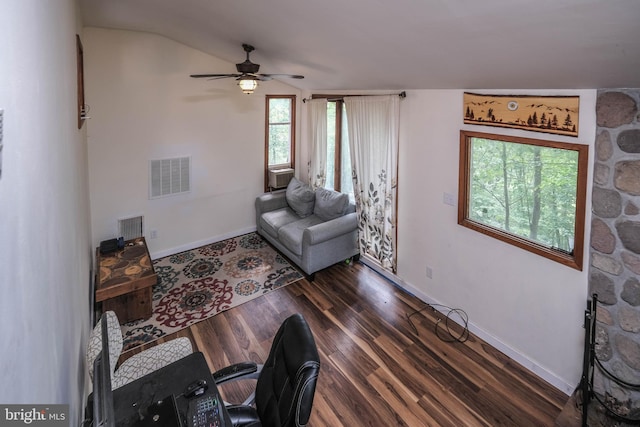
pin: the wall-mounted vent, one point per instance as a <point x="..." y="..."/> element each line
<point x="169" y="176"/>
<point x="279" y="178"/>
<point x="130" y="228"/>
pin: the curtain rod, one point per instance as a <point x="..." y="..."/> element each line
<point x="402" y="94"/>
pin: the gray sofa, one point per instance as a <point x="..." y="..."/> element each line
<point x="314" y="229"/>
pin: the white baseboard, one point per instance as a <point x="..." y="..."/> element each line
<point x="197" y="244"/>
<point x="522" y="359"/>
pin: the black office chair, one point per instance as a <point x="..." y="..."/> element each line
<point x="286" y="382"/>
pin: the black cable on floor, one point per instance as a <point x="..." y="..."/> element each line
<point x="450" y="336"/>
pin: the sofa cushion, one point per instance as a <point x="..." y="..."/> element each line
<point x="290" y="235"/>
<point x="330" y="204"/>
<point x="271" y="221"/>
<point x="300" y="197"/>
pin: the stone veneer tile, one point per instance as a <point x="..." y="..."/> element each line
<point x="629" y="141"/>
<point x="627" y="177"/>
<point x="614" y="109"/>
<point x="631" y="292"/>
<point x="604" y="146"/>
<point x="631" y="261"/>
<point x="629" y="234"/>
<point x="601" y="174"/>
<point x="606" y="203"/>
<point x="606" y="264"/>
<point x="629" y="319"/>
<point x="602" y="238"/>
<point x="631" y="209"/>
<point x="603" y="315"/>
<point x="602" y="285"/>
<point x="629" y="350"/>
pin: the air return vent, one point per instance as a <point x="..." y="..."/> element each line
<point x="169" y="177"/>
<point x="130" y="228"/>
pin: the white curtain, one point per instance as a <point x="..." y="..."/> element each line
<point x="373" y="137"/>
<point x="317" y="109"/>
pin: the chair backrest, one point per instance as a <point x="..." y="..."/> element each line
<point x="115" y="342"/>
<point x="287" y="383"/>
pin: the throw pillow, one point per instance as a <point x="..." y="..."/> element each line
<point x="300" y="197"/>
<point x="330" y="204"/>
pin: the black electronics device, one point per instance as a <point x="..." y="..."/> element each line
<point x="196" y="388"/>
<point x="111" y="245"/>
<point x="205" y="411"/>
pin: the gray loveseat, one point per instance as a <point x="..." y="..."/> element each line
<point x="314" y="229"/>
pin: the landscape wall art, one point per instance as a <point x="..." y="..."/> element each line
<point x="549" y="114"/>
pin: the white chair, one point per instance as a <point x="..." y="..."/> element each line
<point x="139" y="364"/>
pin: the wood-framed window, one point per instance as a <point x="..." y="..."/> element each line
<point x="530" y="193"/>
<point x="280" y="134"/>
<point x="338" y="155"/>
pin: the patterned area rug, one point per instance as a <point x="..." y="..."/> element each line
<point x="197" y="284"/>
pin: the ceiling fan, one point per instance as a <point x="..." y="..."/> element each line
<point x="247" y="74"/>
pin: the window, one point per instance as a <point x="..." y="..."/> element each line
<point x="280" y="133"/>
<point x="339" y="176"/>
<point x="526" y="192"/>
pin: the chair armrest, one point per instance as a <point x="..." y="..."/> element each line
<point x="245" y="370"/>
<point x="245" y="416"/>
<point x="330" y="229"/>
<point x="270" y="202"/>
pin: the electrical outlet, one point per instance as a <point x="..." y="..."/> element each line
<point x="429" y="273"/>
<point x="154" y="234"/>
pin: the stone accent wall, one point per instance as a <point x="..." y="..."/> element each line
<point x="614" y="271"/>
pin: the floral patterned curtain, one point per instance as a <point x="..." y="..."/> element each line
<point x="373" y="136"/>
<point x="318" y="136"/>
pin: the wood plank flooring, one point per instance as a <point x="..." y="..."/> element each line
<point x="375" y="369"/>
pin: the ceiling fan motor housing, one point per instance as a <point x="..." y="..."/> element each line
<point x="247" y="67"/>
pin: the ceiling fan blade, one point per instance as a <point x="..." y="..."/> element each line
<point x="247" y="70"/>
<point x="291" y="76"/>
<point x="213" y="76"/>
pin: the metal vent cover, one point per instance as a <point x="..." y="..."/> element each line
<point x="169" y="177"/>
<point x="130" y="228"/>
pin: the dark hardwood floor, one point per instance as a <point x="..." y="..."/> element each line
<point x="375" y="369"/>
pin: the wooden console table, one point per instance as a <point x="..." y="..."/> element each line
<point x="124" y="280"/>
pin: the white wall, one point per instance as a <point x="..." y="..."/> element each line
<point x="45" y="249"/>
<point x="528" y="306"/>
<point x="145" y="106"/>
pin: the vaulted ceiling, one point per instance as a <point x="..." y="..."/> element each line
<point x="403" y="44"/>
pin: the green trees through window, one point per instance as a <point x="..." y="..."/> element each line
<point x="338" y="151"/>
<point x="527" y="192"/>
<point x="279" y="147"/>
<point x="280" y="131"/>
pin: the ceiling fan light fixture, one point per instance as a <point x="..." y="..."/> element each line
<point x="247" y="75"/>
<point x="248" y="85"/>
